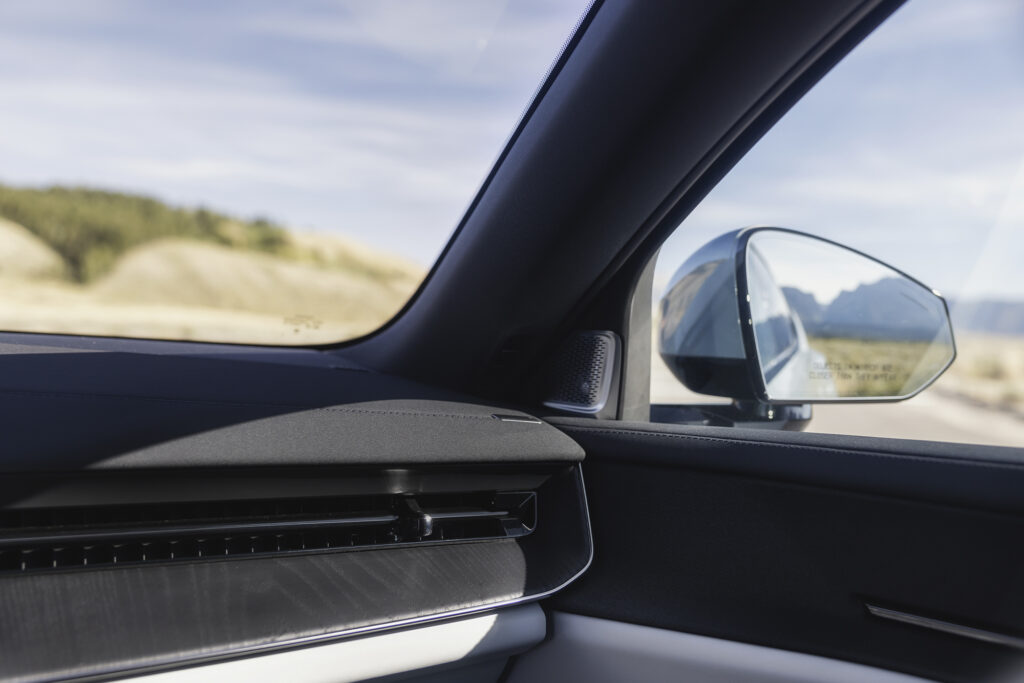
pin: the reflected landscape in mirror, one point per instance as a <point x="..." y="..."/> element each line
<point x="832" y="324"/>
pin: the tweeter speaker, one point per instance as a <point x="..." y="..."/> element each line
<point x="583" y="372"/>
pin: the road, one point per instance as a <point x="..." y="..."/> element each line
<point x="930" y="416"/>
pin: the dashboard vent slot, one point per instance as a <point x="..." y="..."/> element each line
<point x="117" y="535"/>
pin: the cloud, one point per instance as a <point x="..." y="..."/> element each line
<point x="947" y="23"/>
<point x="334" y="116"/>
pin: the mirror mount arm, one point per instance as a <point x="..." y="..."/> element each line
<point x="752" y="414"/>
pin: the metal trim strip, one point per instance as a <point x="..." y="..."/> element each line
<point x="947" y="627"/>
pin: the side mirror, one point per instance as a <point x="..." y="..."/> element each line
<point x="781" y="317"/>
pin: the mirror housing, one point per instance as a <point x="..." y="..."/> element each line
<point x="780" y="317"/>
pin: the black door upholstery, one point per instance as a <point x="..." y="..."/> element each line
<point x="784" y="539"/>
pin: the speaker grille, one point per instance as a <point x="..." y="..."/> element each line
<point x="583" y="371"/>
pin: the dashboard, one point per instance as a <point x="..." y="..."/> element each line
<point x="146" y="530"/>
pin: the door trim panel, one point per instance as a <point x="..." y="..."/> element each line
<point x="781" y="540"/>
<point x="983" y="477"/>
<point x="946" y="626"/>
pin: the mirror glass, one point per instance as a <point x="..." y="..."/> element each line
<point x="831" y="323"/>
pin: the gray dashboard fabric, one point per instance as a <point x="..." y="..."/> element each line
<point x="68" y="409"/>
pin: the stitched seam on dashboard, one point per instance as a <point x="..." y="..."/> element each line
<point x="952" y="460"/>
<point x="238" y="404"/>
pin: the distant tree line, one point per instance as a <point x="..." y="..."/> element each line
<point x="90" y="229"/>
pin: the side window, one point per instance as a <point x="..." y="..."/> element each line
<point x="911" y="152"/>
<point x="259" y="173"/>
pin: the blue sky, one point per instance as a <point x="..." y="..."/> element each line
<point x="380" y="119"/>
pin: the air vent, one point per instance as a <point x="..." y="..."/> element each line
<point x="87" y="537"/>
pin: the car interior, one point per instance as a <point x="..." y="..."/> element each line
<point x="498" y="501"/>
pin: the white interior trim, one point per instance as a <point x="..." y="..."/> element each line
<point x="493" y="634"/>
<point x="599" y="651"/>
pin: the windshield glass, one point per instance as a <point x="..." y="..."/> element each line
<point x="259" y="172"/>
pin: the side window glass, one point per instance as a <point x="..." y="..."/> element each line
<point x="910" y="151"/>
<point x="274" y="173"/>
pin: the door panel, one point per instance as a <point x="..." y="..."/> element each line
<point x="784" y="540"/>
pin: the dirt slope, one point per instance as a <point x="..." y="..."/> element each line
<point x="24" y="255"/>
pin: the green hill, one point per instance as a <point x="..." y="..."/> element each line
<point x="80" y="261"/>
<point x="90" y="229"/>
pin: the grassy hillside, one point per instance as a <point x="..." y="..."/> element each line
<point x="860" y="367"/>
<point x="90" y="229"/>
<point x="190" y="273"/>
<point x="90" y="262"/>
<point x="989" y="370"/>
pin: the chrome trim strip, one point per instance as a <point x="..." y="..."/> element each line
<point x="468" y="514"/>
<point x="947" y="627"/>
<point x="322" y="638"/>
<point x="525" y="419"/>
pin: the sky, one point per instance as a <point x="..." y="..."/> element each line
<point x="379" y="120"/>
<point x="817" y="268"/>
<point x="376" y="119"/>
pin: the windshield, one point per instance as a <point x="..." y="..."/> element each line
<point x="259" y="172"/>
